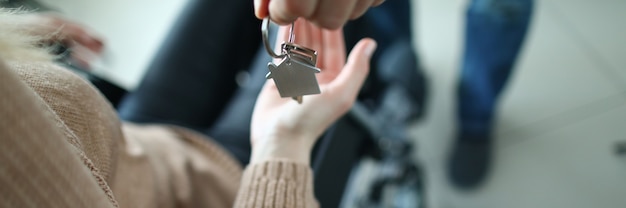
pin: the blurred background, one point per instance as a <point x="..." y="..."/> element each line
<point x="559" y="124"/>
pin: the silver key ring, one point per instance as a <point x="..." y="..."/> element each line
<point x="266" y="42"/>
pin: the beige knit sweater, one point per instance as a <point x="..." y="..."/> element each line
<point x="62" y="145"/>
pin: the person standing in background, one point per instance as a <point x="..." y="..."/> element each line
<point x="494" y="33"/>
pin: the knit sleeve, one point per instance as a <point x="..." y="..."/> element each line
<point x="276" y="183"/>
<point x="39" y="167"/>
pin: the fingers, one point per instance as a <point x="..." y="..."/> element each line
<point x="328" y="14"/>
<point x="82" y="37"/>
<point x="71" y="32"/>
<point x="261" y="8"/>
<point x="378" y="2"/>
<point x="82" y="57"/>
<point x="332" y="55"/>
<point x="351" y="78"/>
<point x="332" y="14"/>
<point x="286" y="11"/>
<point x="306" y="34"/>
<point x="360" y="8"/>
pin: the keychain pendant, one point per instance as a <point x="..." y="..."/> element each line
<point x="294" y="75"/>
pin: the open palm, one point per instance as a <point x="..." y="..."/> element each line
<point x="276" y="117"/>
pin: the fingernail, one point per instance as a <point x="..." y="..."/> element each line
<point x="370" y="48"/>
<point x="257" y="4"/>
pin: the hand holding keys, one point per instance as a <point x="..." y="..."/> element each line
<point x="289" y="129"/>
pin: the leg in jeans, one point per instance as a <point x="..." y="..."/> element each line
<point x="193" y="74"/>
<point x="494" y="33"/>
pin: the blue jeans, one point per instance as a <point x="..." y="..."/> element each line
<point x="494" y="33"/>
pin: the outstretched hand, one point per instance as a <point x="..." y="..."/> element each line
<point x="85" y="44"/>
<point x="282" y="128"/>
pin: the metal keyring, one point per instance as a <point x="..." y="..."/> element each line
<point x="266" y="42"/>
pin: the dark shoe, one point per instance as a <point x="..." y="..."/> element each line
<point x="470" y="160"/>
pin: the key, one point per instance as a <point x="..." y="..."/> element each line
<point x="294" y="75"/>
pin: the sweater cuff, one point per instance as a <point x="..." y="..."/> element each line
<point x="276" y="183"/>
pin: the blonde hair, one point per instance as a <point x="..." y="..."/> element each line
<point x="17" y="43"/>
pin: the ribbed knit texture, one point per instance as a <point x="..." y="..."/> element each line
<point x="38" y="166"/>
<point x="279" y="183"/>
<point x="160" y="168"/>
<point x="89" y="116"/>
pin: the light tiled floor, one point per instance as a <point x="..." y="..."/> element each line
<point x="599" y="32"/>
<point x="564" y="109"/>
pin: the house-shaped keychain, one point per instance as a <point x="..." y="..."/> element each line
<point x="294" y="76"/>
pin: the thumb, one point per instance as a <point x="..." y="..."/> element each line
<point x="261" y="8"/>
<point x="351" y="78"/>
